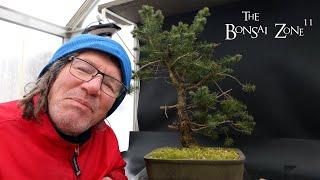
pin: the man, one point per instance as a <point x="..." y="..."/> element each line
<point x="57" y="130"/>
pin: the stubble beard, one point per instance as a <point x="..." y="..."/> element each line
<point x="68" y="123"/>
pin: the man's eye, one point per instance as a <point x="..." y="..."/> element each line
<point x="84" y="69"/>
<point x="109" y="86"/>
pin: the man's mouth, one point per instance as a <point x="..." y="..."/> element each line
<point x="82" y="102"/>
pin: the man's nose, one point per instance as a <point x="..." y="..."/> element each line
<point x="93" y="87"/>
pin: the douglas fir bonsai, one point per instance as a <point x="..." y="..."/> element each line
<point x="203" y="105"/>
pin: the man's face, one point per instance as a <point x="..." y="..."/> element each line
<point x="75" y="105"/>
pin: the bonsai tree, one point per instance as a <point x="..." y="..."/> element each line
<point x="203" y="105"/>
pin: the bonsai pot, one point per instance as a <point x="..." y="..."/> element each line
<point x="195" y="169"/>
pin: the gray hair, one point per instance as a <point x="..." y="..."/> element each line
<point x="30" y="110"/>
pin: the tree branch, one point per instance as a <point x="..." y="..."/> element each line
<point x="196" y="124"/>
<point x="222" y="91"/>
<point x="230" y="123"/>
<point x="204" y="79"/>
<point x="191" y="106"/>
<point x="148" y="64"/>
<point x="198" y="129"/>
<point x="232" y="77"/>
<point x="168" y="107"/>
<point x="180" y="57"/>
<point x="175" y="127"/>
<point x="153" y="78"/>
<point x="239" y="130"/>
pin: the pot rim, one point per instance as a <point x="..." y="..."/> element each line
<point x="199" y="161"/>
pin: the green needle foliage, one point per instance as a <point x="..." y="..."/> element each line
<point x="203" y="106"/>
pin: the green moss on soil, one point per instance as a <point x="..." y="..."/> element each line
<point x="202" y="153"/>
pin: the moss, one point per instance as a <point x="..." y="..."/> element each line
<point x="202" y="153"/>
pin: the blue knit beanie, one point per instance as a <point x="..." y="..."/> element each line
<point x="103" y="44"/>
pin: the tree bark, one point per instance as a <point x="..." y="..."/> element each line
<point x="184" y="120"/>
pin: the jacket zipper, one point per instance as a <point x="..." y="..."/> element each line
<point x="75" y="163"/>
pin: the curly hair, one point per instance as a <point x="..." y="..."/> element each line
<point x="30" y="110"/>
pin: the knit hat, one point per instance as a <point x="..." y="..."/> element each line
<point x="103" y="44"/>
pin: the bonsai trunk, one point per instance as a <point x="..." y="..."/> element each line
<point x="184" y="120"/>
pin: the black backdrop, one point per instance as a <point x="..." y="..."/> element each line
<point x="286" y="72"/>
<point x="285" y="143"/>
